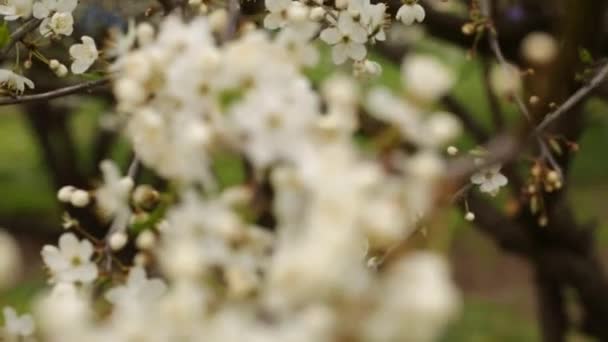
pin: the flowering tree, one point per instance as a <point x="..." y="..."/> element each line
<point x="311" y="243"/>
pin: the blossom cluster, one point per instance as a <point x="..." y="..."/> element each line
<point x="54" y="20"/>
<point x="329" y="266"/>
<point x="346" y="27"/>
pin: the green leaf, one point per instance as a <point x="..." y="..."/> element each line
<point x="5" y="35"/>
<point x="229" y="97"/>
<point x="555" y="146"/>
<point x="585" y="56"/>
<point x="230" y="170"/>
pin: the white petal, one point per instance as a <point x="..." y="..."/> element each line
<point x="137" y="276"/>
<point x="78" y="51"/>
<point x="45" y="26"/>
<point x="115" y="295"/>
<point x="85" y="273"/>
<point x="339" y="53"/>
<point x="331" y="35"/>
<point x="356" y="51"/>
<point x="345" y="22"/>
<point x="478" y="178"/>
<point x="80" y="66"/>
<point x="28" y="82"/>
<point x="85" y="250"/>
<point x="488" y="187"/>
<point x="41" y="11"/>
<point x="89" y="43"/>
<point x="69" y="244"/>
<point x="358" y="34"/>
<point x="53" y="258"/>
<point x="500" y="180"/>
<point x="154" y="289"/>
<point x="419" y="13"/>
<point x="406" y="15"/>
<point x="277" y="5"/>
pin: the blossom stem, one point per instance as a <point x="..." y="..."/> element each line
<point x="16" y="36"/>
<point x="578" y="96"/>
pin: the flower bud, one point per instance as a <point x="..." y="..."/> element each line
<point x="146" y="197"/>
<point x="118" y="241"/>
<point x="61" y="71"/>
<point x="80" y="198"/>
<point x="54" y="64"/>
<point x="146" y="240"/>
<point x="452" y="150"/>
<point x="468" y="29"/>
<point x="469" y="216"/>
<point x="539" y="48"/>
<point x="316" y="14"/>
<point x="297" y="12"/>
<point x="65" y="193"/>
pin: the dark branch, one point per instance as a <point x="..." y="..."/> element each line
<point x="53" y="94"/>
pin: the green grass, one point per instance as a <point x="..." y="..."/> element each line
<point x="483" y="321"/>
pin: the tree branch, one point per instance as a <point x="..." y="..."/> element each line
<point x="17" y="35"/>
<point x="575" y="99"/>
<point x="69" y="90"/>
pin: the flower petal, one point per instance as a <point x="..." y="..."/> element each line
<point x="356" y="51"/>
<point x="331" y="35"/>
<point x="339" y="53"/>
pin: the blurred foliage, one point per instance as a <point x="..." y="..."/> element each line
<point x="23" y="177"/>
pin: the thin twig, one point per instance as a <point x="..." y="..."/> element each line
<point x="121" y="220"/>
<point x="17" y="35"/>
<point x="582" y="93"/>
<point x="495" y="47"/>
<point x="61" y="92"/>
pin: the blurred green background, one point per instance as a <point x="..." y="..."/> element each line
<point x="498" y="296"/>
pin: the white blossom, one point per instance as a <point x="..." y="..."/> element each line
<point x="13" y="82"/>
<point x="84" y="55"/>
<point x="137" y="290"/>
<point x="425" y="77"/>
<point x="489" y="179"/>
<point x="44" y="8"/>
<point x="15" y="326"/>
<point x="120" y="43"/>
<point x="410" y="13"/>
<point x="187" y="99"/>
<point x="113" y="195"/>
<point x="278" y="15"/>
<point x="15" y="9"/>
<point x="347" y="38"/>
<point x="71" y="262"/>
<point x="540" y="48"/>
<point x="505" y="80"/>
<point x="372" y="17"/>
<point x="60" y="23"/>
